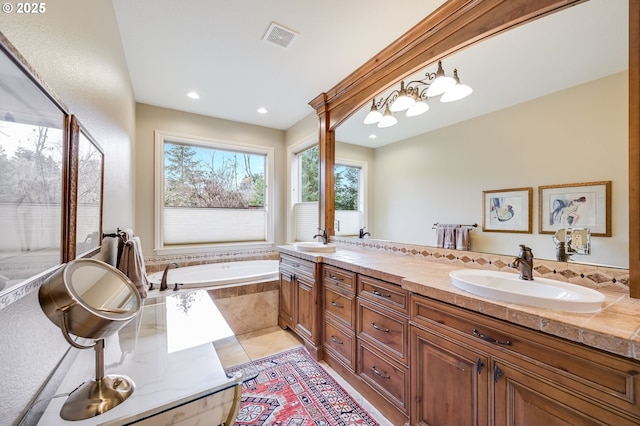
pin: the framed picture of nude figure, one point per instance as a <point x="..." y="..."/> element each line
<point x="585" y="205"/>
<point x="507" y="210"/>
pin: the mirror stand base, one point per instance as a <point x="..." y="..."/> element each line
<point x="97" y="397"/>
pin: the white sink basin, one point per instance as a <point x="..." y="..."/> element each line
<point x="541" y="292"/>
<point x="315" y="247"/>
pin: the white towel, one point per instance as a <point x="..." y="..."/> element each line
<point x="132" y="265"/>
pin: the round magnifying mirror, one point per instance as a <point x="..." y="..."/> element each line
<point x="91" y="299"/>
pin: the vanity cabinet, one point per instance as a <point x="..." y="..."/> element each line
<point x="339" y="310"/>
<point x="383" y="339"/>
<point x="478" y="370"/>
<point x="299" y="307"/>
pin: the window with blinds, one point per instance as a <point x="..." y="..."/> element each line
<point x="210" y="193"/>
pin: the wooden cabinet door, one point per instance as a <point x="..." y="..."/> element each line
<point x="449" y="382"/>
<point x="306" y="322"/>
<point x="286" y="310"/>
<point x="525" y="399"/>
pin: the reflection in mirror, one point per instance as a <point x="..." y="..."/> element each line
<point x="86" y="204"/>
<point x="541" y="105"/>
<point x="570" y="241"/>
<point x="32" y="153"/>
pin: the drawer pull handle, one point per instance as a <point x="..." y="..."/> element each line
<point x="295" y="265"/>
<point x="378" y="373"/>
<point x="490" y="339"/>
<point x="377" y="293"/>
<point x="333" y="277"/>
<point x="335" y="340"/>
<point x="377" y="327"/>
<point x="337" y="305"/>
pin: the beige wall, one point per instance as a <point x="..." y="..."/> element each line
<point x="577" y="135"/>
<point x="75" y="47"/>
<point x="150" y="118"/>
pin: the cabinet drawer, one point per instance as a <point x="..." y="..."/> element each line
<point x="385" y="293"/>
<point x="340" y="306"/>
<point x="385" y="328"/>
<point x="384" y="375"/>
<point x="594" y="374"/>
<point x="341" y="343"/>
<point x="300" y="266"/>
<point x="340" y="277"/>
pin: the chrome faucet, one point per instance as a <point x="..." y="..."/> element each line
<point x="323" y="235"/>
<point x="163" y="282"/>
<point x="524" y="262"/>
<point x="362" y="233"/>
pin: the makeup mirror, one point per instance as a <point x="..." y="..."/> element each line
<point x="90" y="299"/>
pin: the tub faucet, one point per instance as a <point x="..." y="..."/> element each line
<point x="323" y="235"/>
<point x="362" y="233"/>
<point x="163" y="282"/>
<point x="524" y="262"/>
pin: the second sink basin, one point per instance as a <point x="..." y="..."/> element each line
<point x="315" y="247"/>
<point x="541" y="292"/>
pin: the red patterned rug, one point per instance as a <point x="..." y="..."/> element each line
<point x="292" y="389"/>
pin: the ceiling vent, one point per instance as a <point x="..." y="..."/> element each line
<point x="279" y="35"/>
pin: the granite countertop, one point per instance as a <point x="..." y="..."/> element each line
<point x="615" y="329"/>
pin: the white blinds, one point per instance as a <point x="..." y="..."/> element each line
<point x="206" y="225"/>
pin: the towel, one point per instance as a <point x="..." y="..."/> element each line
<point x="125" y="236"/>
<point x="462" y="238"/>
<point x="450" y="236"/>
<point x="131" y="263"/>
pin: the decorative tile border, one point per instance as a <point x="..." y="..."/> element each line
<point x="614" y="279"/>
<point x="158" y="263"/>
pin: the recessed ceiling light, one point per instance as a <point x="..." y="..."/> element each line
<point x="262" y="110"/>
<point x="193" y="95"/>
<point x="372" y="136"/>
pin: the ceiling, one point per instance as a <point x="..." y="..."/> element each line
<point x="216" y="48"/>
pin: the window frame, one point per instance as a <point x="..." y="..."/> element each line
<point x="163" y="136"/>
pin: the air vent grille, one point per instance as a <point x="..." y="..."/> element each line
<point x="279" y="35"/>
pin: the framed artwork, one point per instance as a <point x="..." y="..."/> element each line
<point x="507" y="210"/>
<point x="86" y="187"/>
<point x="583" y="205"/>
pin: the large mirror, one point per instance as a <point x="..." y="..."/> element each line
<point x="549" y="107"/>
<point x="33" y="168"/>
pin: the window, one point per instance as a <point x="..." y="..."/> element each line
<point x="210" y="193"/>
<point x="349" y="195"/>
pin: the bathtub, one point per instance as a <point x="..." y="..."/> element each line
<point x="219" y="274"/>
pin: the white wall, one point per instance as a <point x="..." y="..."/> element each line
<point x="577" y="135"/>
<point x="75" y="47"/>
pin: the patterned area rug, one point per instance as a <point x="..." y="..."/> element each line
<point x="292" y="389"/>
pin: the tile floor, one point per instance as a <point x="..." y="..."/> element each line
<point x="272" y="340"/>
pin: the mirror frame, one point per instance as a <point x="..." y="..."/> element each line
<point x="455" y="25"/>
<point x="75" y="182"/>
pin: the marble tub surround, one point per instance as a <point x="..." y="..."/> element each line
<point x="615" y="329"/>
<point x="249" y="307"/>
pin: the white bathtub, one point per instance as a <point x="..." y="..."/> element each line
<point x="219" y="274"/>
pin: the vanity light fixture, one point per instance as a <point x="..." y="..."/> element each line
<point x="413" y="97"/>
